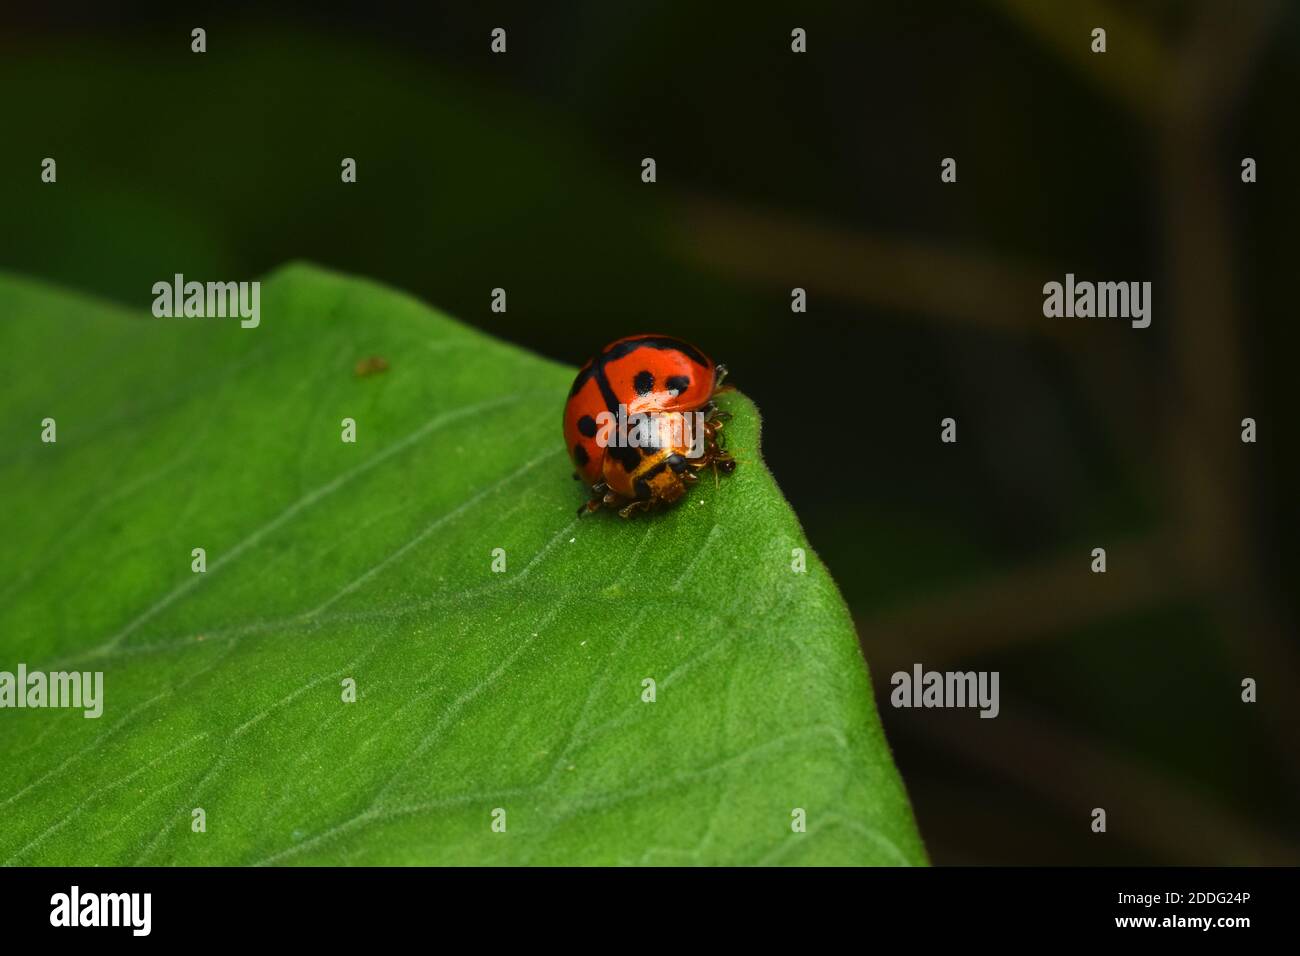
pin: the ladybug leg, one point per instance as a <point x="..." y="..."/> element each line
<point x="713" y="437"/>
<point x="600" y="496"/>
<point x="715" y="458"/>
<point x="714" y="421"/>
<point x="712" y="413"/>
<point x="640" y="504"/>
<point x="719" y="374"/>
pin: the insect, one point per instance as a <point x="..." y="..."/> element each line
<point x="666" y="386"/>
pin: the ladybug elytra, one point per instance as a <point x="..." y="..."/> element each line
<point x="640" y="423"/>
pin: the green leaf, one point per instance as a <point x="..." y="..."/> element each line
<point x="372" y="560"/>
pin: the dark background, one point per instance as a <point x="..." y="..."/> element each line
<point x="821" y="170"/>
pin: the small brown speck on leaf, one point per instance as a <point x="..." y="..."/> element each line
<point x="373" y="365"/>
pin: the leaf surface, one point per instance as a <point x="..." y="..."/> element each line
<point x="477" y="691"/>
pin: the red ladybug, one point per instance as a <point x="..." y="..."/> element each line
<point x="666" y="386"/>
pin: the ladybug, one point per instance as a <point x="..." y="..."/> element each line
<point x="659" y="389"/>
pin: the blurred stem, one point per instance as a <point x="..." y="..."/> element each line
<point x="1185" y="95"/>
<point x="883" y="271"/>
<point x="1206" y="471"/>
<point x="1022" y="605"/>
<point x="1143" y="806"/>
<point x="1135" y="68"/>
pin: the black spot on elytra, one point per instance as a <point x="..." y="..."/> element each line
<point x="580" y="456"/>
<point x="581" y="379"/>
<point x="629" y="458"/>
<point x="587" y="425"/>
<point x="677" y="463"/>
<point x="644" y="383"/>
<point x="678" y="383"/>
